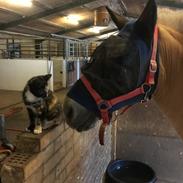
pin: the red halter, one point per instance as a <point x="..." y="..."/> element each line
<point x="105" y="105"/>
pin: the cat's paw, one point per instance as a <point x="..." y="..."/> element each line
<point x="38" y="129"/>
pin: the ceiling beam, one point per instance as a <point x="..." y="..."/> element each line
<point x="29" y="36"/>
<point x="13" y="13"/>
<point x="102" y="33"/>
<point x="83" y="26"/>
<point x="35" y="30"/>
<point x="40" y="5"/>
<point x="10" y="12"/>
<point x="45" y="13"/>
<point x="48" y="22"/>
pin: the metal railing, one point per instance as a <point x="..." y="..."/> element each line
<point x="43" y="48"/>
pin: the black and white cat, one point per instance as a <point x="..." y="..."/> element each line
<point x="43" y="107"/>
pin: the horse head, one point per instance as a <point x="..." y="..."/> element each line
<point x="118" y="66"/>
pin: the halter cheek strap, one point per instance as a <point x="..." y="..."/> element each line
<point x="153" y="63"/>
<point x="106" y="106"/>
<point x="140" y="94"/>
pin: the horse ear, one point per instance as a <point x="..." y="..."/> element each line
<point x="144" y="26"/>
<point x="119" y="20"/>
<point x="47" y="77"/>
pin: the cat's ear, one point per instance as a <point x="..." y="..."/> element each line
<point x="47" y="77"/>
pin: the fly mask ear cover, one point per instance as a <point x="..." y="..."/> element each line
<point x="145" y="55"/>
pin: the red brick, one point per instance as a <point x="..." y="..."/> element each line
<point x="30" y="143"/>
<point x="9" y="174"/>
<point x="38" y="160"/>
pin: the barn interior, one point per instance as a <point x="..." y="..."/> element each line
<point x="59" y="37"/>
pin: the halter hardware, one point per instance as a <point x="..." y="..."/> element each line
<point x="104" y="105"/>
<point x="147" y="89"/>
<point x="153" y="66"/>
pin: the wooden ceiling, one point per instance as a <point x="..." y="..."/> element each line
<point x="46" y="17"/>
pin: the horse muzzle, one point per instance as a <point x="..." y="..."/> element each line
<point x="77" y="116"/>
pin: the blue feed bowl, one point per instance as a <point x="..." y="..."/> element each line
<point x="120" y="171"/>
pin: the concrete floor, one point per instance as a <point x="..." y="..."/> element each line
<point x="145" y="134"/>
<point x="19" y="120"/>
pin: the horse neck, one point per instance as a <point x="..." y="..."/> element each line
<point x="169" y="93"/>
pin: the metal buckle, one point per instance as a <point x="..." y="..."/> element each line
<point x="147" y="88"/>
<point x="153" y="66"/>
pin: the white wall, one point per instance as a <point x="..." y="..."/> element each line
<point x="14" y="73"/>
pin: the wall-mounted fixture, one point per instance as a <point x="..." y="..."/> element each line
<point x="101" y="17"/>
<point x="101" y="20"/>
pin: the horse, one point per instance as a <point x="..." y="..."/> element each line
<point x="120" y="66"/>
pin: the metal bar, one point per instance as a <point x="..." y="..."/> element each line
<point x="32" y="50"/>
<point x="64" y="37"/>
<point x="45" y="13"/>
<point x="31" y="36"/>
<point x="13" y="53"/>
<point x="7" y="42"/>
<point x="42" y="55"/>
<point x="114" y="139"/>
<point x="53" y="24"/>
<point x="24" y="30"/>
<point x="21" y="34"/>
<point x="33" y="29"/>
<point x="23" y="46"/>
<point x="33" y="55"/>
<point x="49" y="48"/>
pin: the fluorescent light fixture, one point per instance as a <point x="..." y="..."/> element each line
<point x="96" y="29"/>
<point x="73" y="19"/>
<point x="25" y="3"/>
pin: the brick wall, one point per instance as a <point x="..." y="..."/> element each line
<point x="59" y="155"/>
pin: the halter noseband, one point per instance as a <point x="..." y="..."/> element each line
<point x="140" y="94"/>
